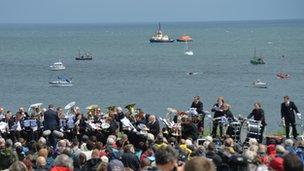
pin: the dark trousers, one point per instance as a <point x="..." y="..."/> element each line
<point x="214" y="129"/>
<point x="294" y="129"/>
<point x="260" y="140"/>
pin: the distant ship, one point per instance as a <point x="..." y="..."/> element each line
<point x="257" y="60"/>
<point x="160" y="37"/>
<point x="86" y="56"/>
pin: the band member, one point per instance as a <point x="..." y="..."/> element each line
<point x="199" y="109"/>
<point x="287" y="114"/>
<point x="189" y="130"/>
<point x="153" y="125"/>
<point x="218" y="113"/>
<point x="18" y="126"/>
<point x="258" y="115"/>
<point x="9" y="120"/>
<point x="228" y="114"/>
<point x="51" y="122"/>
<point x="1" y="114"/>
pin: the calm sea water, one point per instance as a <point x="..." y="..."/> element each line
<point x="128" y="69"/>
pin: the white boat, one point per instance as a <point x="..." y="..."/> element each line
<point x="61" y="82"/>
<point x="259" y="84"/>
<point x="188" y="51"/>
<point x="57" y="66"/>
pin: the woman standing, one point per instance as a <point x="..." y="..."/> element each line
<point x="258" y="115"/>
<point x="218" y="113"/>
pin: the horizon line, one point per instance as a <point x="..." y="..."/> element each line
<point x="148" y="22"/>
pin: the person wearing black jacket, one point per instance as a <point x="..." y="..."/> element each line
<point x="258" y="115"/>
<point x="218" y="113"/>
<point x="189" y="130"/>
<point x="153" y="125"/>
<point x="51" y="122"/>
<point x="198" y="105"/>
<point x="287" y="114"/>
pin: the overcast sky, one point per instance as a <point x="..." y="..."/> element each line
<point x="104" y="11"/>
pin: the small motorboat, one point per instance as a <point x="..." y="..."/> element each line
<point x="160" y="37"/>
<point x="61" y="82"/>
<point x="57" y="66"/>
<point x="259" y="84"/>
<point x="283" y="76"/>
<point x="189" y="52"/>
<point x="184" y="38"/>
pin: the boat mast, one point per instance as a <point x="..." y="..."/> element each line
<point x="254" y="55"/>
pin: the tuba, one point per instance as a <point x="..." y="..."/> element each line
<point x="70" y="109"/>
<point x="131" y="108"/>
<point x="35" y="110"/>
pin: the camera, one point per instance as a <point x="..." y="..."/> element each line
<point x="201" y="141"/>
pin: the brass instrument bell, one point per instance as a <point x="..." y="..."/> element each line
<point x="131" y="108"/>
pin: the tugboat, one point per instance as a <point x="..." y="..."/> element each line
<point x="257" y="60"/>
<point x="160" y="37"/>
<point x="86" y="56"/>
<point x="61" y="82"/>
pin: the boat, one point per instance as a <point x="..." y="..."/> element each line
<point x="257" y="60"/>
<point x="85" y="56"/>
<point x="283" y="76"/>
<point x="259" y="84"/>
<point x="160" y="37"/>
<point x="57" y="66"/>
<point x="61" y="82"/>
<point x="188" y="51"/>
<point x="184" y="38"/>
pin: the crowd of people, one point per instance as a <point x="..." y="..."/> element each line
<point x="131" y="139"/>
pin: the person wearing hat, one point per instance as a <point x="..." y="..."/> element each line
<point x="288" y="116"/>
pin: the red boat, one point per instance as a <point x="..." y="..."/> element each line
<point x="283" y="76"/>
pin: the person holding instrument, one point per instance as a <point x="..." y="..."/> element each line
<point x="258" y="115"/>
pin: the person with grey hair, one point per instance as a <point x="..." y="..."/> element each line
<point x="62" y="162"/>
<point x="18" y="165"/>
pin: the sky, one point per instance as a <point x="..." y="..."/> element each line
<point x="118" y="11"/>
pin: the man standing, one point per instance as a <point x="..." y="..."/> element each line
<point x="199" y="109"/>
<point x="51" y="122"/>
<point x="287" y="114"/>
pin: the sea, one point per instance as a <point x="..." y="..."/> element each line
<point x="127" y="69"/>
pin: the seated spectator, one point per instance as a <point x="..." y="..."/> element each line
<point x="40" y="164"/>
<point x="18" y="166"/>
<point x="93" y="163"/>
<point x="198" y="164"/>
<point x="62" y="163"/>
<point x="289" y="146"/>
<point x="292" y="163"/>
<point x="166" y="158"/>
<point x="129" y="159"/>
